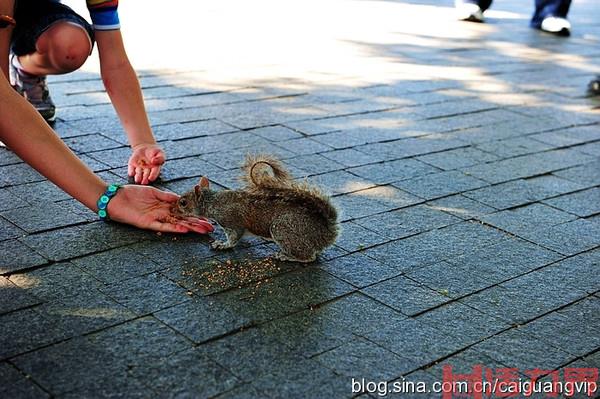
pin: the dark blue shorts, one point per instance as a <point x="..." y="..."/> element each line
<point x="34" y="17"/>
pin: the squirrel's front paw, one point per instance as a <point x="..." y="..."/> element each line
<point x="219" y="245"/>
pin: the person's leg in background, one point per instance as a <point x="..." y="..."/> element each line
<point x="50" y="39"/>
<point x="551" y="16"/>
<point x="471" y="10"/>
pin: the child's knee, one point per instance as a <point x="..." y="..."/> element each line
<point x="66" y="45"/>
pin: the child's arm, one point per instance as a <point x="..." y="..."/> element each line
<point x="124" y="90"/>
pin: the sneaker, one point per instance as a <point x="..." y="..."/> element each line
<point x="34" y="89"/>
<point x="594" y="86"/>
<point x="469" y="12"/>
<point x="557" y="26"/>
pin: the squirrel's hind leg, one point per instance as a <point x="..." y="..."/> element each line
<point x="292" y="233"/>
<point x="233" y="236"/>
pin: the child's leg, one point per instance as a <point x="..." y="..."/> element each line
<point x="62" y="48"/>
<point x="50" y="38"/>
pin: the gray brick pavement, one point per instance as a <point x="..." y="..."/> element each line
<point x="467" y="174"/>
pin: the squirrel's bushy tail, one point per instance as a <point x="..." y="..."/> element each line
<point x="264" y="171"/>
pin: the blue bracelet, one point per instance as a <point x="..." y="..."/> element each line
<point x="105" y="199"/>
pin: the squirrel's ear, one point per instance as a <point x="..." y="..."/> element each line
<point x="204" y="183"/>
<point x="197" y="189"/>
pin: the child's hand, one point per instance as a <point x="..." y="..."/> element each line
<point x="145" y="162"/>
<point x="150" y="208"/>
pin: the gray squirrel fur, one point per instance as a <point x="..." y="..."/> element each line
<point x="296" y="216"/>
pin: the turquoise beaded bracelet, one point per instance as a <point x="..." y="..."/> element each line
<point x="105" y="199"/>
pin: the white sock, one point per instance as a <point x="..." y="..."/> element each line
<point x="16" y="63"/>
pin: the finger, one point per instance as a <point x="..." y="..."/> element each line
<point x="166" y="196"/>
<point x="168" y="227"/>
<point x="158" y="159"/>
<point x="130" y="169"/>
<point x="138" y="174"/>
<point x="155" y="171"/>
<point x="145" y="174"/>
<point x="198" y="228"/>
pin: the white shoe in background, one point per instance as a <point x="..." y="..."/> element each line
<point x="556" y="25"/>
<point x="469" y="12"/>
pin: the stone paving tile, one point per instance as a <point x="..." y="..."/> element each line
<point x="8" y="157"/>
<point x="521" y="192"/>
<point x="568" y="329"/>
<point x="371" y="201"/>
<point x="114" y="157"/>
<point x="91" y="143"/>
<point x="351" y="158"/>
<point x="14" y="298"/>
<point x="284" y="294"/>
<point x="440" y="184"/>
<point x="583" y="203"/>
<point x="306" y="333"/>
<point x="201" y="319"/>
<point x="508" y="258"/>
<point x="527" y="218"/>
<point x="178" y="131"/>
<point x="314" y="164"/>
<point x="588" y="174"/>
<point x="38" y="193"/>
<point x="408" y="221"/>
<point x="304" y="146"/>
<point x="513" y="147"/>
<point x="393" y="171"/>
<point x="34" y="219"/>
<point x="74" y="242"/>
<point x="72" y="365"/>
<point x="434" y="246"/>
<point x="10" y="201"/>
<point x="307" y="380"/>
<point x="514" y="348"/>
<point x="27" y="330"/>
<point x="415" y="340"/>
<point x="578" y="271"/>
<point x="359" y="357"/>
<point x="358" y="269"/>
<point x="525" y="298"/>
<point x="567" y="238"/>
<point x="411" y="146"/>
<point x="528" y="165"/>
<point x="458" y="158"/>
<point x="116" y="265"/>
<point x="405" y="295"/>
<point x="465" y="324"/>
<point x="55" y="282"/>
<point x="354" y="237"/>
<point x="185" y="374"/>
<point x="339" y="182"/>
<point x="569" y="137"/>
<point x="9" y="230"/>
<point x="139" y="341"/>
<point x="16" y="256"/>
<point x="355" y="313"/>
<point x="17" y="174"/>
<point x="146" y="294"/>
<point x="450" y="280"/>
<point x="16" y="385"/>
<point x="268" y="354"/>
<point x="84" y="313"/>
<point x="243" y="391"/>
<point x="187" y="167"/>
<point x="461" y="206"/>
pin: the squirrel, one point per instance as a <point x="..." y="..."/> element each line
<point x="298" y="217"/>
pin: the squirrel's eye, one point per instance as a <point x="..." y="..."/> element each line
<point x="183" y="202"/>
